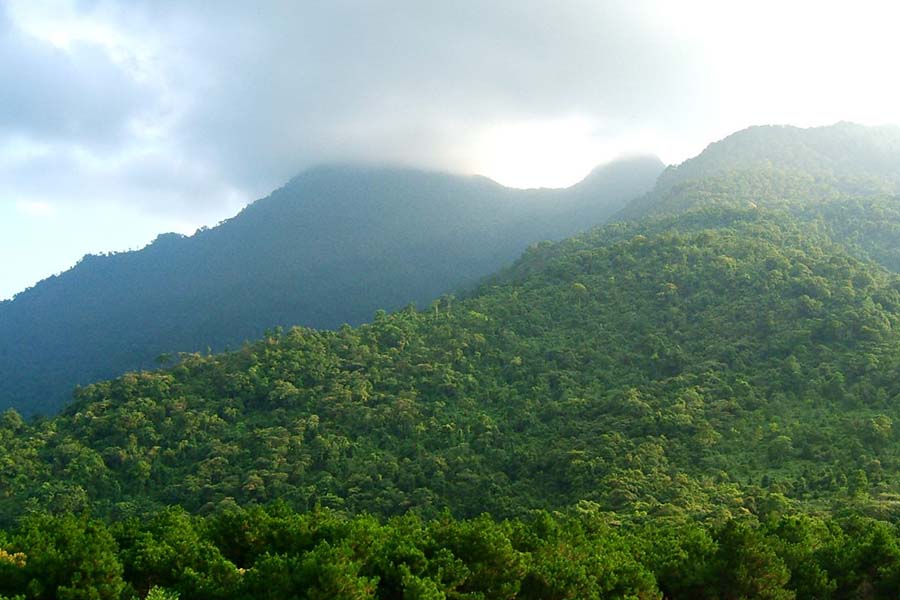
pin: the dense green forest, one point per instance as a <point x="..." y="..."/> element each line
<point x="697" y="401"/>
<point x="725" y="366"/>
<point x="641" y="367"/>
<point x="275" y="553"/>
<point x="332" y="246"/>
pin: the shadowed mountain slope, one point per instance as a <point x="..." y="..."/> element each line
<point x="332" y="246"/>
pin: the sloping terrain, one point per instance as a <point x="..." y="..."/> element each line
<point x="636" y="367"/>
<point x="844" y="180"/>
<point x="331" y="247"/>
<point x="698" y="402"/>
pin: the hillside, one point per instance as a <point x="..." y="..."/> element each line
<point x="696" y="364"/>
<point x="331" y="247"/>
<point x="842" y="180"/>
<point x="677" y="360"/>
<point x="858" y="157"/>
<point x="698" y="402"/>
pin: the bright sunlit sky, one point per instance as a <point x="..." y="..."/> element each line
<point x="123" y="119"/>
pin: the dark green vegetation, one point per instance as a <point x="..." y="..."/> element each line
<point x="331" y="247"/>
<point x="706" y="395"/>
<point x="275" y="554"/>
<point x="740" y="359"/>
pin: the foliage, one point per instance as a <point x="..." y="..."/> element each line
<point x="581" y="554"/>
<point x="716" y="362"/>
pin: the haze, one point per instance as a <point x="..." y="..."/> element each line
<point x="120" y="120"/>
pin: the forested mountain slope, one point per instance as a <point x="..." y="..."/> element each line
<point x="331" y="247"/>
<point x="844" y="180"/>
<point x="699" y="364"/>
<point x="699" y="402"/>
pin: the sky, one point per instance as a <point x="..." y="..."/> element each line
<point x="120" y="120"/>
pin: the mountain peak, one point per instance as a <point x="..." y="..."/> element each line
<point x="632" y="163"/>
<point x="842" y="150"/>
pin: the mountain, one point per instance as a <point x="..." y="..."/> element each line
<point x="780" y="165"/>
<point x="843" y="152"/>
<point x="331" y="247"/>
<point x="706" y="353"/>
<point x="843" y="180"/>
<point x="698" y="402"/>
<point x="690" y="364"/>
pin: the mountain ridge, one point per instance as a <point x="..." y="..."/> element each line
<point x="330" y="247"/>
<point x="839" y="149"/>
<point x="701" y="401"/>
